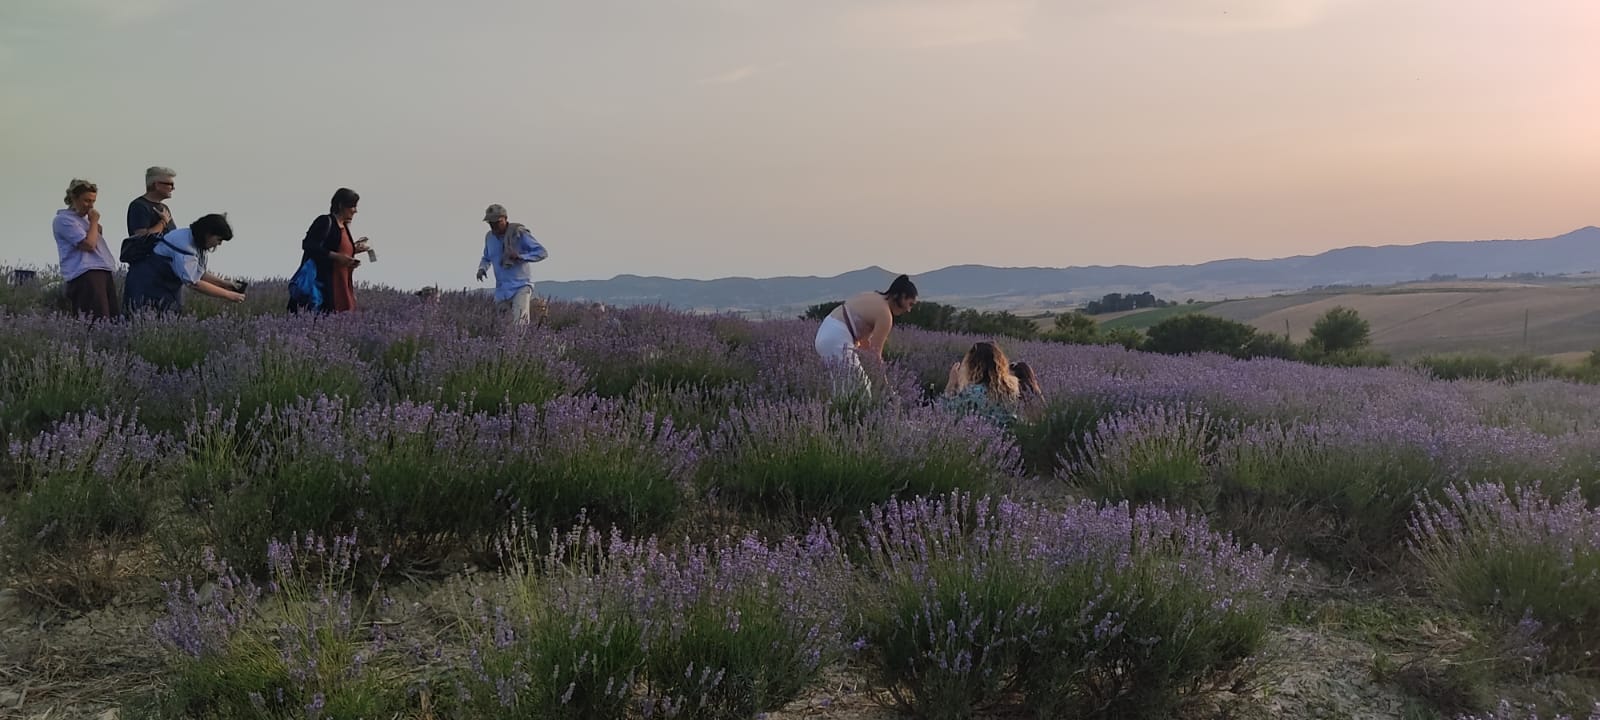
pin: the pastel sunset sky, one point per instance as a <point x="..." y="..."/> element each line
<point x="705" y="138"/>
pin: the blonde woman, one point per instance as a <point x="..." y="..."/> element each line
<point x="982" y="384"/>
<point x="87" y="263"/>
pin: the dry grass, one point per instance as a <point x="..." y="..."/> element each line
<point x="1455" y="317"/>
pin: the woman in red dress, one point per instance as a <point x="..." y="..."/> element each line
<point x="329" y="246"/>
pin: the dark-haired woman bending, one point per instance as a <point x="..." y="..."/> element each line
<point x="861" y="324"/>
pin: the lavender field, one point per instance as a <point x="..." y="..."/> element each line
<point x="406" y="512"/>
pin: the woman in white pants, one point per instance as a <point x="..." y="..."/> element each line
<point x="861" y="324"/>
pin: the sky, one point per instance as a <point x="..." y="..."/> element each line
<point x="708" y="138"/>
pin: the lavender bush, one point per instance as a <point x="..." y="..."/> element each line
<point x="280" y="365"/>
<point x="484" y="373"/>
<point x="1092" y="611"/>
<point x="418" y="476"/>
<point x="1530" y="560"/>
<point x="807" y="459"/>
<point x="654" y="347"/>
<point x="177" y="344"/>
<point x="46" y="383"/>
<point x="84" y="489"/>
<point x="311" y="644"/>
<point x="600" y="626"/>
<point x="1158" y="453"/>
<point x="1343" y="490"/>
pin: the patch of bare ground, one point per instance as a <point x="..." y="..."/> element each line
<point x="59" y="665"/>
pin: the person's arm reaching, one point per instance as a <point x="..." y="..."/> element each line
<point x="206" y="287"/>
<point x="222" y="282"/>
<point x="188" y="269"/>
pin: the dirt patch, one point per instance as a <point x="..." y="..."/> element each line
<point x="1317" y="675"/>
<point x="58" y="666"/>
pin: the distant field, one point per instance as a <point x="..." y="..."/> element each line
<point x="1143" y="319"/>
<point x="1454" y="317"/>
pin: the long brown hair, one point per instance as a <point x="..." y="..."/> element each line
<point x="1027" y="382"/>
<point x="985" y="364"/>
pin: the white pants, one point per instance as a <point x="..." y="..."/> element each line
<point x="518" y="309"/>
<point x="838" y="351"/>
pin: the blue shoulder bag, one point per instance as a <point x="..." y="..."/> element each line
<point x="303" y="288"/>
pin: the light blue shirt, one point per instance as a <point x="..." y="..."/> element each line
<point x="189" y="268"/>
<point x="508" y="280"/>
<point x="70" y="229"/>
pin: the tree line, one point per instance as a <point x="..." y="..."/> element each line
<point x="1339" y="337"/>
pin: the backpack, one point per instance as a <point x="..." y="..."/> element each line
<point x="135" y="249"/>
<point x="138" y="248"/>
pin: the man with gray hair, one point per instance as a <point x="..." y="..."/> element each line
<point x="148" y="214"/>
<point x="510" y="249"/>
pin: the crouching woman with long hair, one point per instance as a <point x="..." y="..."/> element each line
<point x="982" y="384"/>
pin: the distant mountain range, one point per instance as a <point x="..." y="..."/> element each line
<point x="1038" y="288"/>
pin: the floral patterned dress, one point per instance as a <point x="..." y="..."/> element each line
<point x="975" y="400"/>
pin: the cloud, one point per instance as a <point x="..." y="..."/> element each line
<point x="921" y="24"/>
<point x="730" y="77"/>
<point x="1225" y="16"/>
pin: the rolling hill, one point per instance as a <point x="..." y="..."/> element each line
<point x="1057" y="288"/>
<point x="1409" y="320"/>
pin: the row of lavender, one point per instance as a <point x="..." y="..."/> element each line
<point x="429" y="480"/>
<point x="440" y="352"/>
<point x="948" y="605"/>
<point x="955" y="604"/>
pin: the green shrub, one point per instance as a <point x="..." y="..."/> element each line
<point x="1196" y="333"/>
<point x="311" y="644"/>
<point x="1092" y="611"/>
<point x="422" y="480"/>
<point x="807" y="460"/>
<point x="84" y="490"/>
<point x="1156" y="454"/>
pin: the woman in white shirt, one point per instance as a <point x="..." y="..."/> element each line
<point x="178" y="260"/>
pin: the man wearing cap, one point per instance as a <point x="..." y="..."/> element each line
<point x="511" y="251"/>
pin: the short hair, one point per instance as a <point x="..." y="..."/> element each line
<point x="213" y="224"/>
<point x="343" y="198"/>
<point x="152" y="174"/>
<point x="901" y="287"/>
<point x="77" y="188"/>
